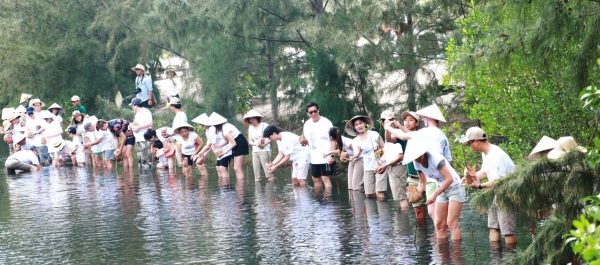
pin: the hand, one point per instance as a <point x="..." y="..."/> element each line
<point x="135" y="128"/>
<point x="331" y="160"/>
<point x="395" y="124"/>
<point x="432" y="198"/>
<point x="381" y="169"/>
<point x="325" y="155"/>
<point x="150" y="102"/>
<point x="272" y="168"/>
<point x="117" y="152"/>
<point x="475" y="183"/>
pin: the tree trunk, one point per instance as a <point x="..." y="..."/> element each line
<point x="410" y="70"/>
<point x="272" y="85"/>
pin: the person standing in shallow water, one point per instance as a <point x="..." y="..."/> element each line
<point x="496" y="164"/>
<point x="316" y="131"/>
<point x="261" y="147"/>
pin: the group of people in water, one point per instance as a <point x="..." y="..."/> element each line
<point x="414" y="159"/>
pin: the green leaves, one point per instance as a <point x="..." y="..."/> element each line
<point x="584" y="238"/>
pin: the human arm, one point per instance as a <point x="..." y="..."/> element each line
<point x="200" y="145"/>
<point x="232" y="143"/>
<point x="178" y="154"/>
<point x="401" y="132"/>
<point x="279" y="161"/>
<point x="447" y="182"/>
<point x="122" y="138"/>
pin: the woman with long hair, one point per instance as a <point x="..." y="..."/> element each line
<point x="261" y="147"/>
<point x="188" y="145"/>
<point x="365" y="144"/>
<point x="236" y="142"/>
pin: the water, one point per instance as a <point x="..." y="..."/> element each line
<point x="76" y="216"/>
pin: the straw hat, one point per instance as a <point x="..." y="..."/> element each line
<point x="13" y="117"/>
<point x="59" y="145"/>
<point x="251" y="114"/>
<point x="20" y="109"/>
<point x="410" y="113"/>
<point x="202" y="119"/>
<point x="6" y="124"/>
<point x="46" y="115"/>
<point x="19" y="138"/>
<point x="416" y="148"/>
<point x="7" y="112"/>
<point x="349" y="128"/>
<point x="171" y="70"/>
<point x="177" y="127"/>
<point x="433" y="112"/>
<point x="75" y="113"/>
<point x="546" y="143"/>
<point x="564" y="145"/>
<point x="55" y="106"/>
<point x="138" y="66"/>
<point x="215" y="119"/>
<point x="24" y="97"/>
<point x="36" y="101"/>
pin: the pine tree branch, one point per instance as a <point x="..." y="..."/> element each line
<point x="266" y="10"/>
<point x="136" y="33"/>
<point x="303" y="39"/>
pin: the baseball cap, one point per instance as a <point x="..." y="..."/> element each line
<point x="410" y="113"/>
<point x="72" y="130"/>
<point x="386" y="115"/>
<point x="29" y="110"/>
<point x="135" y="102"/>
<point x="87" y="125"/>
<point x="75" y="98"/>
<point x="473" y="133"/>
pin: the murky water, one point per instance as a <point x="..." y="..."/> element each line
<point x="78" y="216"/>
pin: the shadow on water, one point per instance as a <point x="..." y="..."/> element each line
<point x="72" y="215"/>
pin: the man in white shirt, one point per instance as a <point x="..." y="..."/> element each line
<point x="496" y="165"/>
<point x="141" y="123"/>
<point x="25" y="160"/>
<point x="316" y="131"/>
<point x="289" y="149"/>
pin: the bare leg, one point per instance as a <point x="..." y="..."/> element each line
<point x="238" y="163"/>
<point x="326" y="181"/>
<point x="441" y="216"/>
<point x="454" y="210"/>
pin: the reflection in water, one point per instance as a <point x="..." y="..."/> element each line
<point x="76" y="215"/>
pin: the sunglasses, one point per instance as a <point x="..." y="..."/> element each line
<point x="313" y="111"/>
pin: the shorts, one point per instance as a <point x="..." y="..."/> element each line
<point x="224" y="161"/>
<point x="397" y="177"/>
<point x="189" y="159"/>
<point x="241" y="146"/>
<point x="66" y="159"/>
<point x="130" y="140"/>
<point x="144" y="104"/>
<point x="43" y="153"/>
<point x="452" y="193"/>
<point x="108" y="154"/>
<point x="415" y="182"/>
<point x="505" y="221"/>
<point x="300" y="170"/>
<point x="319" y="170"/>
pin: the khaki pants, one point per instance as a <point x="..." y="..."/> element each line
<point x="355" y="174"/>
<point x="260" y="159"/>
<point x="13" y="164"/>
<point x="397" y="175"/>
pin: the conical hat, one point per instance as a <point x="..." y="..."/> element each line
<point x="252" y="113"/>
<point x="546" y="143"/>
<point x="177" y="127"/>
<point x="215" y="119"/>
<point x="13" y="116"/>
<point x="45" y="115"/>
<point x="202" y="119"/>
<point x="55" y="106"/>
<point x="24" y="97"/>
<point x="564" y="145"/>
<point x="6" y="124"/>
<point x="37" y="100"/>
<point x="416" y="148"/>
<point x="20" y="109"/>
<point x="19" y="138"/>
<point x="433" y="112"/>
<point x="7" y="112"/>
<point x="349" y="128"/>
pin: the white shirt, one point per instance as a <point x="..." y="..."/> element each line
<point x="93" y="135"/>
<point x="290" y="145"/>
<point x="432" y="171"/>
<point x="143" y="116"/>
<point x="368" y="147"/>
<point x="187" y="147"/>
<point x="66" y="151"/>
<point x="317" y="134"/>
<point x="172" y="88"/>
<point x="217" y="138"/>
<point x="108" y="142"/>
<point x="256" y="133"/>
<point x="32" y="126"/>
<point x="436" y="135"/>
<point x="496" y="164"/>
<point x="347" y="142"/>
<point x="229" y="128"/>
<point x="77" y="141"/>
<point x="58" y="119"/>
<point x="391" y="152"/>
<point x="25" y="156"/>
<point x="52" y="128"/>
<point x="180" y="117"/>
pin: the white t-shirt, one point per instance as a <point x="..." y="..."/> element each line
<point x="52" y="128"/>
<point x="436" y="135"/>
<point x="347" y="142"/>
<point x="77" y="142"/>
<point x="317" y="134"/>
<point x="171" y="88"/>
<point x="58" y="119"/>
<point x="391" y="152"/>
<point x="25" y="156"/>
<point x="32" y="125"/>
<point x="290" y="145"/>
<point x="180" y="117"/>
<point x="229" y="128"/>
<point x="256" y="133"/>
<point x="217" y="138"/>
<point x="432" y="171"/>
<point x="187" y="147"/>
<point x="143" y="116"/>
<point x="108" y="142"/>
<point x="368" y="147"/>
<point x="496" y="164"/>
<point x="93" y="135"/>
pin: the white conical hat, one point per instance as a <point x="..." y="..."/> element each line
<point x="7" y="112"/>
<point x="24" y="97"/>
<point x="416" y="148"/>
<point x="20" y="109"/>
<point x="19" y="137"/>
<point x="45" y="115"/>
<point x="433" y="112"/>
<point x="55" y="106"/>
<point x="202" y="119"/>
<point x="215" y="119"/>
<point x="13" y="116"/>
<point x="564" y="145"/>
<point x="181" y="124"/>
<point x="546" y="143"/>
<point x="252" y="113"/>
